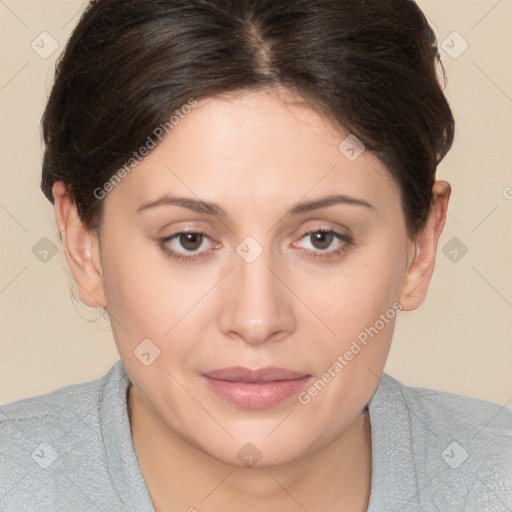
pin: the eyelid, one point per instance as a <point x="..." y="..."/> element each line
<point x="347" y="240"/>
<point x="191" y="256"/>
<point x="187" y="256"/>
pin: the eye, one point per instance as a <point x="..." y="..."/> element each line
<point x="324" y="243"/>
<point x="193" y="245"/>
<point x="190" y="241"/>
<point x="186" y="245"/>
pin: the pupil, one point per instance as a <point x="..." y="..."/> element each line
<point x="190" y="241"/>
<point x="322" y="239"/>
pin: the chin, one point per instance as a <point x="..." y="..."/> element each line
<point x="257" y="451"/>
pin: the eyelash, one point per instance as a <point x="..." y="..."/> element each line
<point x="318" y="255"/>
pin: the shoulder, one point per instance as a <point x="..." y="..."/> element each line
<point x="50" y="442"/>
<point x="450" y="411"/>
<point x="461" y="447"/>
<point x="29" y="421"/>
<point x="38" y="412"/>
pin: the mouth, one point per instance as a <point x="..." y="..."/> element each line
<point x="255" y="389"/>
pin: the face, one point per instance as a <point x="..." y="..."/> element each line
<point x="218" y="251"/>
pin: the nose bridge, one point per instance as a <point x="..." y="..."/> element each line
<point x="257" y="306"/>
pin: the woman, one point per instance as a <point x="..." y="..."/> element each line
<point x="248" y="188"/>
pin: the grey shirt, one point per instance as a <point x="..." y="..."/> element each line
<point x="71" y="450"/>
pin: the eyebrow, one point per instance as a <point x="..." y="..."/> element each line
<point x="200" y="206"/>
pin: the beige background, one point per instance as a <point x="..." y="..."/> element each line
<point x="459" y="340"/>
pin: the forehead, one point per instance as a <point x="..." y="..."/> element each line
<point x="252" y="146"/>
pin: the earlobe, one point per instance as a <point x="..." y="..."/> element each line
<point x="80" y="247"/>
<point x="423" y="252"/>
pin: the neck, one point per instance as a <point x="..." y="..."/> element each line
<point x="179" y="476"/>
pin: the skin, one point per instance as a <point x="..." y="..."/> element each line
<point x="256" y="155"/>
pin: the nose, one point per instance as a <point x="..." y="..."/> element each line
<point x="257" y="305"/>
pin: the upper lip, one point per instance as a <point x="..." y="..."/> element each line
<point x="241" y="374"/>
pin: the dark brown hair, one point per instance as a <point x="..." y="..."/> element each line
<point x="367" y="65"/>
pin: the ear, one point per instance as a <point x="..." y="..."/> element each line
<point x="81" y="248"/>
<point x="422" y="255"/>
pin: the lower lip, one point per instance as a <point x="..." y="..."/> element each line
<point x="256" y="396"/>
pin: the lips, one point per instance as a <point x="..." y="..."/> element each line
<point x="262" y="375"/>
<point x="255" y="389"/>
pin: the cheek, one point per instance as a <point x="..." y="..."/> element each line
<point x="359" y="304"/>
<point x="360" y="307"/>
<point x="150" y="298"/>
<point x="366" y="287"/>
<point x="140" y="298"/>
<point x="141" y="287"/>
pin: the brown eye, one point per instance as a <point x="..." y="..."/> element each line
<point x="191" y="241"/>
<point x="324" y="244"/>
<point x="321" y="239"/>
<point x="187" y="246"/>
